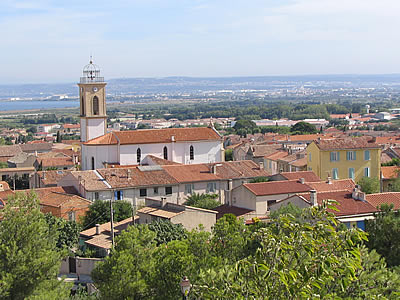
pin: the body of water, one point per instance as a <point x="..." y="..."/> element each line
<point x="35" y="104"/>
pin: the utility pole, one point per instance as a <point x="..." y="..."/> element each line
<point x="112" y="221"/>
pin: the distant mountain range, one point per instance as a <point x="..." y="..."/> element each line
<point x="179" y="85"/>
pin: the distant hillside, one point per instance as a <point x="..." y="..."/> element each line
<point x="176" y="85"/>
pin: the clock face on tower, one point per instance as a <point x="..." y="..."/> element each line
<point x="95" y="89"/>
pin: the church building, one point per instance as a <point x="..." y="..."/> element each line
<point x="100" y="149"/>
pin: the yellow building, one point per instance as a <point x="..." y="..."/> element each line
<point x="344" y="158"/>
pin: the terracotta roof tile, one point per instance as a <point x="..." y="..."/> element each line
<point x="36" y="147"/>
<point x="277" y="155"/>
<point x="56" y="162"/>
<point x="89" y="180"/>
<point x="227" y="209"/>
<point x="191" y="173"/>
<point x="348" y="143"/>
<point x="150" y="136"/>
<point x="390" y="172"/>
<point x="263" y="150"/>
<point x="52" y="177"/>
<point x="309" y="176"/>
<point x="10" y="151"/>
<point x="377" y="200"/>
<point x="346" y="204"/>
<point x="277" y="187"/>
<point x="137" y="176"/>
<point x="165" y="213"/>
<point x="335" y="185"/>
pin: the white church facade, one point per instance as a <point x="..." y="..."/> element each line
<point x="126" y="148"/>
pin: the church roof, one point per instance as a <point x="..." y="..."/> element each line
<point x="153" y="136"/>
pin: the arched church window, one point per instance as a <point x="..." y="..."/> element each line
<point x="93" y="163"/>
<point x="191" y="153"/>
<point x="138" y="155"/>
<point x="165" y="152"/>
<point x="95" y="105"/>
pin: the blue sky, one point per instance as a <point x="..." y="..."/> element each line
<point x="50" y="41"/>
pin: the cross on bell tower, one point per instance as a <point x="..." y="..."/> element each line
<point x="92" y="95"/>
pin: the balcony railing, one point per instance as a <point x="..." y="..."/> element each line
<point x="91" y="79"/>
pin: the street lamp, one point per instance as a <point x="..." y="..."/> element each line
<point x="185" y="287"/>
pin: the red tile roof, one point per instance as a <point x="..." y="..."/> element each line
<point x="227" y="209"/>
<point x="335" y="185"/>
<point x="277" y="187"/>
<point x="151" y="136"/>
<point x="377" y="200"/>
<point x="309" y="176"/>
<point x="277" y="155"/>
<point x="348" y="143"/>
<point x="390" y="172"/>
<point x="346" y="204"/>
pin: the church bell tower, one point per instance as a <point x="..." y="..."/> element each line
<point x="92" y="95"/>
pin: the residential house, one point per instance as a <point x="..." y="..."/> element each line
<point x="190" y="217"/>
<point x="35" y="148"/>
<point x="259" y="196"/>
<point x="389" y="175"/>
<point x="98" y="237"/>
<point x="257" y="153"/>
<point x="21" y="160"/>
<point x="292" y="163"/>
<point x="52" y="163"/>
<point x="175" y="182"/>
<point x="352" y="207"/>
<point x="61" y="203"/>
<point x="8" y="152"/>
<point x="48" y="178"/>
<point x="271" y="161"/>
<point x="353" y="158"/>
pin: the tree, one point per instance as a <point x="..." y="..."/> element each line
<point x="295" y="260"/>
<point x="228" y="155"/>
<point x="246" y="125"/>
<point x="99" y="212"/>
<point x="370" y="185"/>
<point x="166" y="231"/>
<point x="303" y="128"/>
<point x="68" y="231"/>
<point x="58" y="139"/>
<point x="29" y="258"/>
<point x="289" y="209"/>
<point x="259" y="179"/>
<point x="127" y="272"/>
<point x="384" y="234"/>
<point x="3" y="165"/>
<point x="207" y="201"/>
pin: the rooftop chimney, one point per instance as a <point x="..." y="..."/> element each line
<point x="361" y="196"/>
<point x="213" y="169"/>
<point x="129" y="174"/>
<point x="355" y="192"/>
<point x="261" y="165"/>
<point x="163" y="201"/>
<point x="329" y="180"/>
<point x="313" y="198"/>
<point x="44" y="175"/>
<point x="97" y="229"/>
<point x="173" y="138"/>
<point x="301" y="180"/>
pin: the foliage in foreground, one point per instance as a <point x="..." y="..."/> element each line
<point x="29" y="259"/>
<point x="283" y="259"/>
<point x="384" y="234"/>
